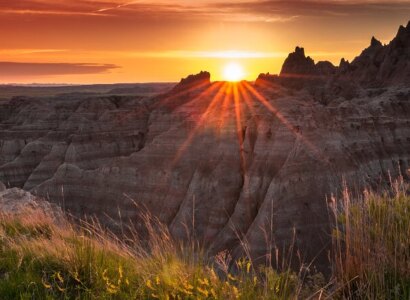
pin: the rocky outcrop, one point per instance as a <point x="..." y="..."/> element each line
<point x="377" y="66"/>
<point x="193" y="80"/>
<point x="299" y="71"/>
<point x="387" y="65"/>
<point x="297" y="64"/>
<point x="17" y="202"/>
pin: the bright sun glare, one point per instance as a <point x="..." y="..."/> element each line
<point x="233" y="72"/>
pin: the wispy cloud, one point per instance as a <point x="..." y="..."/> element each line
<point x="207" y="54"/>
<point x="31" y="51"/>
<point x="293" y="8"/>
<point x="118" y="6"/>
<point x="251" y="10"/>
<point x="12" y="69"/>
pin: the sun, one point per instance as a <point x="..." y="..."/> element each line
<point x="233" y="72"/>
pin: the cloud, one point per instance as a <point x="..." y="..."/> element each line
<point x="207" y="54"/>
<point x="250" y="10"/>
<point x="13" y="69"/>
<point x="295" y="8"/>
<point x="276" y="7"/>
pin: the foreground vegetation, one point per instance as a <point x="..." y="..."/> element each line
<point x="42" y="260"/>
<point x="371" y="245"/>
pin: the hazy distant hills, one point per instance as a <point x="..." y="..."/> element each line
<point x="239" y="159"/>
<point x="8" y="91"/>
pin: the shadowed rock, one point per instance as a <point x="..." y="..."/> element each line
<point x="377" y="66"/>
<point x="297" y="64"/>
<point x="299" y="71"/>
<point x="199" y="79"/>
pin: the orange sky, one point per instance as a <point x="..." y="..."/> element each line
<point x="107" y="41"/>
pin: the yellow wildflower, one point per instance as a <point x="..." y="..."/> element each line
<point x="112" y="289"/>
<point x="120" y="271"/>
<point x="149" y="285"/>
<point x="76" y="277"/>
<point x="248" y="267"/>
<point x="213" y="293"/>
<point x="235" y="292"/>
<point x="59" y="277"/>
<point x="104" y="275"/>
<point x="60" y="288"/>
<point x="188" y="286"/>
<point x="204" y="282"/>
<point x="231" y="277"/>
<point x="45" y="284"/>
<point x="202" y="291"/>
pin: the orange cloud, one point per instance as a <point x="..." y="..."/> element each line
<point x="14" y="69"/>
<point x="270" y="10"/>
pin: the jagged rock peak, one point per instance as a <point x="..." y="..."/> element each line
<point x="375" y="42"/>
<point x="297" y="63"/>
<point x="403" y="32"/>
<point x="343" y="62"/>
<point x="344" y="65"/>
<point x="201" y="76"/>
<point x="300" y="51"/>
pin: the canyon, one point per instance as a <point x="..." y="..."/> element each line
<point x="229" y="164"/>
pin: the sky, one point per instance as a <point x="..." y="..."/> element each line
<point x="113" y="41"/>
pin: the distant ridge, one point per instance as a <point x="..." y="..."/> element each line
<point x="377" y="66"/>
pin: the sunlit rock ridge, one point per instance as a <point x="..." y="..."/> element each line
<point x="221" y="162"/>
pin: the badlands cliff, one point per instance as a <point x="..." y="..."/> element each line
<point x="223" y="162"/>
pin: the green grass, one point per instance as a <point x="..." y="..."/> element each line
<point x="42" y="260"/>
<point x="39" y="260"/>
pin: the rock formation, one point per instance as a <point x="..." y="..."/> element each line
<point x="297" y="64"/>
<point x="380" y="65"/>
<point x="19" y="202"/>
<point x="377" y="66"/>
<point x="221" y="162"/>
<point x="202" y="78"/>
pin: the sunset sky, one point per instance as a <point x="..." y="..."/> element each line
<point x="110" y="41"/>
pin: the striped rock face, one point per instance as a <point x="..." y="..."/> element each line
<point x="222" y="162"/>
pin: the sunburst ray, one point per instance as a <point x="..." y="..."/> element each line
<point x="200" y="122"/>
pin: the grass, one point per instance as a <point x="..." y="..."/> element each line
<point x="42" y="260"/>
<point x="371" y="244"/>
